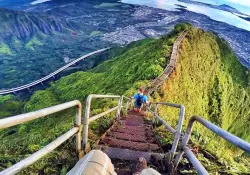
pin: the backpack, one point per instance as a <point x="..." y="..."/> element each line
<point x="139" y="100"/>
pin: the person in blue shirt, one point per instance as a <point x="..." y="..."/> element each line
<point x="145" y="94"/>
<point x="140" y="99"/>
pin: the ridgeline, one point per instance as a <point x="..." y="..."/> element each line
<point x="208" y="80"/>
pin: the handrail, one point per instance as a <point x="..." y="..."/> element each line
<point x="177" y="132"/>
<point x="89" y="119"/>
<point x="170" y="128"/>
<point x="240" y="143"/>
<point x="39" y="154"/>
<point x="183" y="147"/>
<point x="129" y="100"/>
<point x="103" y="114"/>
<point x="195" y="162"/>
<point x="19" y="119"/>
<point x="170" y="67"/>
<point x="7" y="91"/>
<point x="126" y="97"/>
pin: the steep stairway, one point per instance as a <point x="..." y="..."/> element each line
<point x="128" y="139"/>
<point x="131" y="136"/>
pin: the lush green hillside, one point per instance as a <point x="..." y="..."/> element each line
<point x="208" y="80"/>
<point x="133" y="67"/>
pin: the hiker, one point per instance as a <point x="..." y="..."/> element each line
<point x="145" y="94"/>
<point x="140" y="99"/>
<point x="97" y="162"/>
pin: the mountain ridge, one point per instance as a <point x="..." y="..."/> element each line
<point x="25" y="25"/>
<point x="203" y="81"/>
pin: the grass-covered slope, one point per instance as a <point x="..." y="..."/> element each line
<point x="210" y="81"/>
<point x="137" y="63"/>
<point x="134" y="66"/>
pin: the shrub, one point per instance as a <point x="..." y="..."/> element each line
<point x="182" y="27"/>
<point x="152" y="72"/>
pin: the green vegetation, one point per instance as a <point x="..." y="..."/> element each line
<point x="24" y="32"/>
<point x="4" y="49"/>
<point x="9" y="106"/>
<point x="4" y="98"/>
<point x="16" y="43"/>
<point x="138" y="63"/>
<point x="32" y="43"/>
<point x="182" y="27"/>
<point x="208" y="80"/>
<point x="129" y="68"/>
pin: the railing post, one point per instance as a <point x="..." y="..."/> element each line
<point x="127" y="106"/>
<point x="212" y="127"/>
<point x="155" y="113"/>
<point x="87" y="120"/>
<point x="120" y="101"/>
<point x="178" y="159"/>
<point x="78" y="123"/>
<point x="86" y="124"/>
<point x="177" y="134"/>
<point x="149" y="108"/>
<point x="22" y="118"/>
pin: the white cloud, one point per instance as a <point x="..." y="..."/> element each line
<point x="38" y="2"/>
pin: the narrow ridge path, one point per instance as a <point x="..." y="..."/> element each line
<point x="156" y="83"/>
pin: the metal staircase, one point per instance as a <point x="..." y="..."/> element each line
<point x="130" y="137"/>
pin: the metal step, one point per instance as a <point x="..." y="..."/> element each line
<point x="127" y="154"/>
<point x="133" y="130"/>
<point x="132" y="137"/>
<point x="141" y="146"/>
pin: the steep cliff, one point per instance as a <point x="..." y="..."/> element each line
<point x="210" y="82"/>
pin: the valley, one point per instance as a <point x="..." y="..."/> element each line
<point x="36" y="40"/>
<point x="212" y="76"/>
<point x="204" y="81"/>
